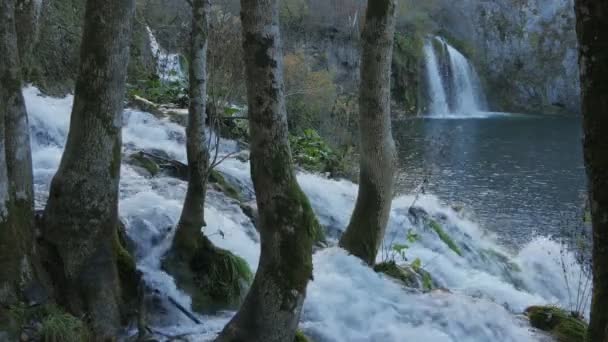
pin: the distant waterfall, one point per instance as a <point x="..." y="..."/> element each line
<point x="454" y="86"/>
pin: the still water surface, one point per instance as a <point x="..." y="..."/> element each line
<point x="517" y="174"/>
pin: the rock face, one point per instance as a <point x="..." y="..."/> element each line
<point x="534" y="43"/>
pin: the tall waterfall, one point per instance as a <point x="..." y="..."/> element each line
<point x="454" y="86"/>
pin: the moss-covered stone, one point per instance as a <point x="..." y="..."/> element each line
<point x="215" y="278"/>
<point x="564" y="326"/>
<point x="140" y="159"/>
<point x="215" y="177"/>
<point x="407" y="275"/>
<point x="445" y="237"/>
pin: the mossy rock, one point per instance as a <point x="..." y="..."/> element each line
<point x="445" y="237"/>
<point x="563" y="325"/>
<point x="215" y="177"/>
<point x="407" y="275"/>
<point x="140" y="160"/>
<point x="216" y="279"/>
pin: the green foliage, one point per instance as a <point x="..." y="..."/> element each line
<point x="300" y="337"/>
<point x="564" y="326"/>
<point x="312" y="153"/>
<point x="63" y="327"/>
<point x="310" y="94"/>
<point x="445" y="237"/>
<point x="399" y="249"/>
<point x="55" y="324"/>
<point x="427" y="281"/>
<point x="161" y="92"/>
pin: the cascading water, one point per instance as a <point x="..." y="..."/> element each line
<point x="488" y="286"/>
<point x="168" y="64"/>
<point x="454" y="86"/>
<point x="439" y="103"/>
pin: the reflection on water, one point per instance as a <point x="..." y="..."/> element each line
<point x="518" y="174"/>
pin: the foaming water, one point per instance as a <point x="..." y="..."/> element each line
<point x="487" y="287"/>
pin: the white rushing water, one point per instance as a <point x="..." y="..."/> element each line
<point x="454" y="86"/>
<point x="487" y="287"/>
<point x="438" y="97"/>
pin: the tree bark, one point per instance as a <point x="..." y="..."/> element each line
<point x="188" y="234"/>
<point x="16" y="195"/>
<point x="370" y="217"/>
<point x="592" y="30"/>
<point x="81" y="216"/>
<point x="27" y="14"/>
<point x="287" y="225"/>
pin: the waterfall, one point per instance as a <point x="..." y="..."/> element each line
<point x="439" y="104"/>
<point x="454" y="86"/>
<point x="168" y="64"/>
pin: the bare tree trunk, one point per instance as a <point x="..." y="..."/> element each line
<point x="16" y="195"/>
<point x="27" y="14"/>
<point x="287" y="225"/>
<point x="592" y="29"/>
<point x="370" y="217"/>
<point x="81" y="217"/>
<point x="188" y="234"/>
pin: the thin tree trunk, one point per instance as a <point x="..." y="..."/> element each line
<point x="370" y="217"/>
<point x="188" y="234"/>
<point x="271" y="310"/>
<point x="81" y="217"/>
<point x="592" y="29"/>
<point x="16" y="196"/>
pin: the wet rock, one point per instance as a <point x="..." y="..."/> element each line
<point x="407" y="275"/>
<point x="564" y="326"/>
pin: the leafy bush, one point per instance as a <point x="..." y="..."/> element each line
<point x="161" y="92"/>
<point x="312" y="153"/>
<point x="309" y="95"/>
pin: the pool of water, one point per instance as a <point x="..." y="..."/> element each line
<point x="517" y="174"/>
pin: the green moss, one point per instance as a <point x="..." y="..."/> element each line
<point x="427" y="281"/>
<point x="445" y="237"/>
<point x="62" y="327"/>
<point x="55" y="324"/>
<point x="215" y="278"/>
<point x="140" y="159"/>
<point x="410" y="276"/>
<point x="295" y="210"/>
<point x="300" y="337"/>
<point x="564" y="326"/>
<point x="221" y="277"/>
<point x="127" y="269"/>
<point x="227" y="188"/>
<point x="403" y="275"/>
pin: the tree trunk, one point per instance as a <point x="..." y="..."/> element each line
<point x="16" y="195"/>
<point x="287" y="225"/>
<point x="81" y="217"/>
<point x="592" y="30"/>
<point x="370" y="217"/>
<point x="188" y="234"/>
<point x="27" y="13"/>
